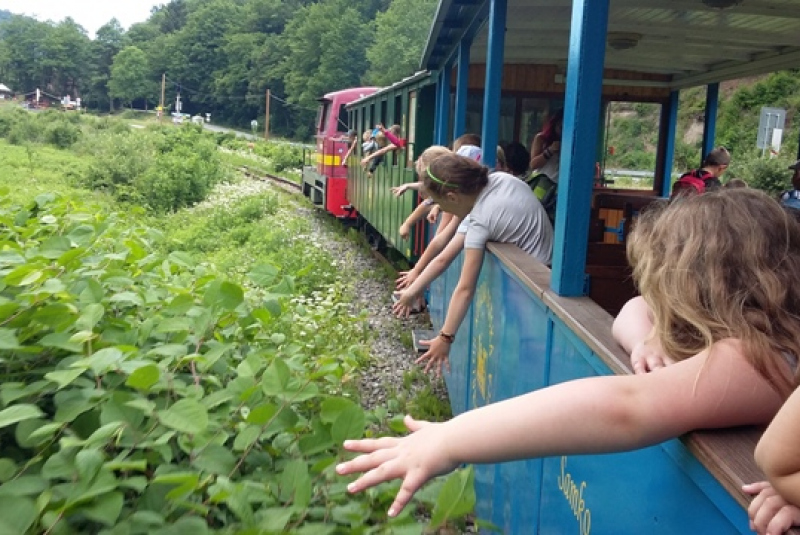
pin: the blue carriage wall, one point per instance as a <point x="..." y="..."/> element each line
<point x="517" y="338"/>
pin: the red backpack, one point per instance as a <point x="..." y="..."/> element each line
<point x="699" y="179"/>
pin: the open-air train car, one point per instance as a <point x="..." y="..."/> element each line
<point x="530" y="326"/>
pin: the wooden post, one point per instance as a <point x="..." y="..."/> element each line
<point x="266" y="123"/>
<point x="163" y="87"/>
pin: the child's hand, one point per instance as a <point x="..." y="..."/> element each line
<point x="433" y="215"/>
<point x="406" y="279"/>
<point x="415" y="459"/>
<point x="398" y="191"/>
<point x="437" y="356"/>
<point x="769" y="513"/>
<point x="405" y="302"/>
<point x="645" y="358"/>
<point x="404" y="231"/>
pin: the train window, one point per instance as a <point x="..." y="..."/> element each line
<point x="342" y="124"/>
<point x="398" y="110"/>
<point x="508" y="108"/>
<point x="322" y="118"/>
<point x="630" y="144"/>
<point x="412" y="125"/>
<point x="533" y="114"/>
<point x="384" y="114"/>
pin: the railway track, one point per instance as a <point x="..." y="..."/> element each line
<point x="293" y="187"/>
<point x="282" y="182"/>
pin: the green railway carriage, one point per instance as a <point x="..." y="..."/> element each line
<point x="409" y="103"/>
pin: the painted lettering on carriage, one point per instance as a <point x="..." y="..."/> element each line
<point x="573" y="492"/>
<point x="483" y="344"/>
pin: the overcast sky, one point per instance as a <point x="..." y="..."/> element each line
<point x="91" y="14"/>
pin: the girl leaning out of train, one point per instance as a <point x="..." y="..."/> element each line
<point x="501" y="208"/>
<point x="776" y="506"/>
<point x="719" y="273"/>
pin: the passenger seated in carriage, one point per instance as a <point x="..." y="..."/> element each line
<point x="695" y="263"/>
<point x="707" y="177"/>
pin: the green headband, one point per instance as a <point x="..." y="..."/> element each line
<point x="442" y="182"/>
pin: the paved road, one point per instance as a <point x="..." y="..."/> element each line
<point x="251" y="137"/>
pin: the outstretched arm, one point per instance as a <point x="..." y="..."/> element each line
<point x="437" y="266"/>
<point x="717" y="388"/>
<point x="436" y="246"/>
<point x="379" y="152"/>
<point x="439" y="348"/>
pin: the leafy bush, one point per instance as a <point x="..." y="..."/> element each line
<point x="285" y="156"/>
<point x="162" y="169"/>
<point x="767" y="174"/>
<point x="143" y="393"/>
<point x="63" y="134"/>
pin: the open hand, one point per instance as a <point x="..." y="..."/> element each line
<point x="437" y="356"/>
<point x="415" y="459"/>
<point x="398" y="191"/>
<point x="406" y="279"/>
<point x="404" y="304"/>
<point x="769" y="513"/>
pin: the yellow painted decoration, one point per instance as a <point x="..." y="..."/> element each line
<point x="573" y="492"/>
<point x="329" y="159"/>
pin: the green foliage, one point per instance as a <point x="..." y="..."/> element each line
<point x="767" y="174"/>
<point x="129" y="79"/>
<point x="282" y="155"/>
<point x="163" y="169"/>
<point x="401" y="32"/>
<point x="143" y="391"/>
<point x="62" y="134"/>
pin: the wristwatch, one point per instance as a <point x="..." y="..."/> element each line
<point x="449" y="338"/>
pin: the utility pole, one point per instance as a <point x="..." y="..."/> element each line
<point x="266" y="124"/>
<point x="161" y="105"/>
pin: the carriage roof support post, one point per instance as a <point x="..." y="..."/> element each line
<point x="587" y="47"/>
<point x="494" y="80"/>
<point x="462" y="77"/>
<point x="442" y="105"/>
<point x="710" y="130"/>
<point x="670" y="115"/>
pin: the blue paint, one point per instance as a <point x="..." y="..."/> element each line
<point x="710" y="130"/>
<point x="669" y="146"/>
<point x="460" y="118"/>
<point x="580" y="135"/>
<point x="494" y="79"/>
<point x="442" y="107"/>
<point x="662" y="489"/>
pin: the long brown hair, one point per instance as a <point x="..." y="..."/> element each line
<point x="454" y="173"/>
<point x="722" y="265"/>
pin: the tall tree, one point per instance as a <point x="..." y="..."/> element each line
<point x="109" y="40"/>
<point x="129" y="76"/>
<point x="401" y="32"/>
<point x="22" y="38"/>
<point x="326" y="47"/>
<point x="66" y="51"/>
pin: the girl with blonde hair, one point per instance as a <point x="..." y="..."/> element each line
<point x="719" y="274"/>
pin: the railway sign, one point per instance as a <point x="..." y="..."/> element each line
<point x="770" y="128"/>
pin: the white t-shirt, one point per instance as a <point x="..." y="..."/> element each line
<point x="507" y="211"/>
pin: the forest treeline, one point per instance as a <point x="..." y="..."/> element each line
<point x="222" y="56"/>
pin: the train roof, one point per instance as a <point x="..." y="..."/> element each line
<point x="358" y="92"/>
<point x="684" y="42"/>
<point x="417" y="76"/>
